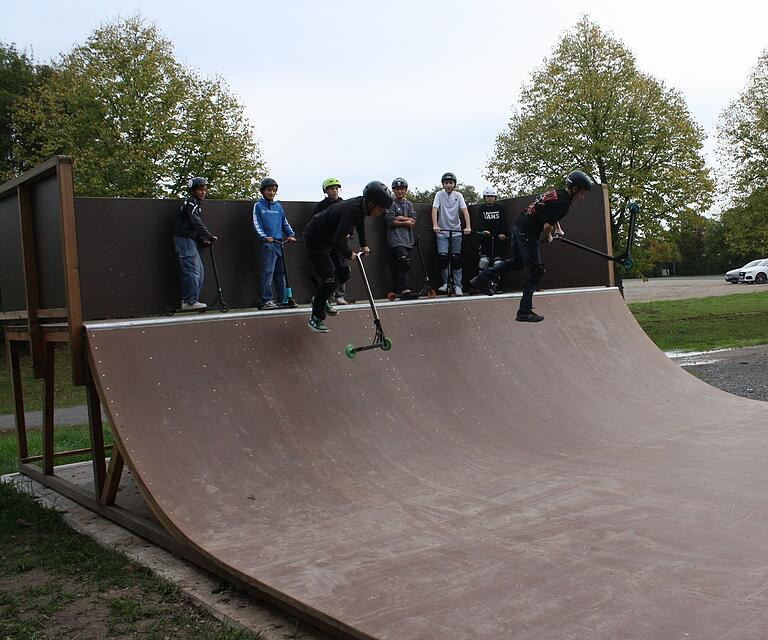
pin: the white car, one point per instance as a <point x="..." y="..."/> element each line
<point x="732" y="276"/>
<point x="757" y="274"/>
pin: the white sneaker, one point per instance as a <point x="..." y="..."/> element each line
<point x="341" y="300"/>
<point x="443" y="288"/>
<point x="185" y="306"/>
<point x="269" y="305"/>
<point x="457" y="291"/>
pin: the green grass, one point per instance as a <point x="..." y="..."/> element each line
<point x="64" y="439"/>
<point x="700" y="324"/>
<point x="65" y="395"/>
<point x="55" y="583"/>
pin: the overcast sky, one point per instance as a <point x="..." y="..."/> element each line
<point x="372" y="90"/>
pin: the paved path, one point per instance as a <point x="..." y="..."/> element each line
<point x="635" y="290"/>
<point x="64" y="417"/>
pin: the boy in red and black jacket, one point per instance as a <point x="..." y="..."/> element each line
<point x="543" y="215"/>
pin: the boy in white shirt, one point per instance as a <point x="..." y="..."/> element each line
<point x="445" y="218"/>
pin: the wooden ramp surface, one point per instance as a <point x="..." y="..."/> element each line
<point x="483" y="479"/>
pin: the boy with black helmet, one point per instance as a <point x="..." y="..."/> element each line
<point x="446" y="224"/>
<point x="492" y="225"/>
<point x="326" y="238"/>
<point x="542" y="215"/>
<point x="270" y="224"/>
<point x="331" y="189"/>
<point x="400" y="220"/>
<point x="189" y="231"/>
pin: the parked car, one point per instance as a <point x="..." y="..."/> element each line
<point x="757" y="274"/>
<point x="732" y="276"/>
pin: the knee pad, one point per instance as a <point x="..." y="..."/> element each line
<point x="443" y="259"/>
<point x="403" y="264"/>
<point x="456" y="260"/>
<point x="484" y="262"/>
<point x="344" y="273"/>
<point x="498" y="262"/>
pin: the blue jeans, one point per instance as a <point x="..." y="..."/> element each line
<point x="443" y="240"/>
<point x="272" y="271"/>
<point x="192" y="272"/>
<point x="525" y="255"/>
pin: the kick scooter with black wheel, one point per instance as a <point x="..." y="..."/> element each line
<point x="380" y="340"/>
<point x="289" y="302"/>
<point x="218" y="303"/>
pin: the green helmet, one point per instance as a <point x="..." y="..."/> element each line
<point x="331" y="182"/>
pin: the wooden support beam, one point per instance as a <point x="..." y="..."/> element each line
<point x="95" y="428"/>
<point x="48" y="418"/>
<point x="31" y="280"/>
<point x="12" y="350"/>
<point x="112" y="484"/>
<point x="71" y="269"/>
<point x="63" y="454"/>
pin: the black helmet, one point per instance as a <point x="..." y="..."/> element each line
<point x="378" y="193"/>
<point x="267" y="182"/>
<point x="578" y="179"/>
<point x="399" y="182"/>
<point x="448" y="176"/>
<point x="196" y="183"/>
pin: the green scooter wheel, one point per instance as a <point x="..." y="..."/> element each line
<point x="628" y="263"/>
<point x="350" y="351"/>
<point x="386" y="344"/>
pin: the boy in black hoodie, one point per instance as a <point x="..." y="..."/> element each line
<point x="326" y="238"/>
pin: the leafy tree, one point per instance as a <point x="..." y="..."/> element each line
<point x="746" y="226"/>
<point x="588" y="107"/>
<point x="18" y="76"/>
<point x="471" y="196"/>
<point x="743" y="134"/>
<point x="743" y="137"/>
<point x="138" y="123"/>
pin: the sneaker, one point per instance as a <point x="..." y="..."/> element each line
<point x="329" y="308"/>
<point x="186" y="306"/>
<point x="443" y="288"/>
<point x="481" y="284"/>
<point x="458" y="291"/>
<point x="316" y="324"/>
<point x="528" y="317"/>
<point x="269" y="305"/>
<point x="341" y="300"/>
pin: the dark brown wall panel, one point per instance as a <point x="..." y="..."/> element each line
<point x="12" y="295"/>
<point x="47" y="223"/>
<point x="128" y="267"/>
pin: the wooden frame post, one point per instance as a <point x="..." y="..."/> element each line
<point x="12" y="351"/>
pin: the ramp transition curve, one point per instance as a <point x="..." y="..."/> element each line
<point x="483" y="479"/>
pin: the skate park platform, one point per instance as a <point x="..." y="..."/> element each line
<point x="483" y="479"/>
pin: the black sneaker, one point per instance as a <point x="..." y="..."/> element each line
<point x="481" y="284"/>
<point x="528" y="317"/>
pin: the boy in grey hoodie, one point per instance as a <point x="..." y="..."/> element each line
<point x="400" y="220"/>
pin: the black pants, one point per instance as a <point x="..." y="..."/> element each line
<point x="331" y="268"/>
<point x="401" y="265"/>
<point x="498" y="249"/>
<point x="525" y="254"/>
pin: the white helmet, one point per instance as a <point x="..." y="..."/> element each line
<point x="489" y="191"/>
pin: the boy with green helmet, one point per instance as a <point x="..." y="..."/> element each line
<point x="331" y="188"/>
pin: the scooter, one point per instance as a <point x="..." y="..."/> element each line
<point x="380" y="340"/>
<point x="290" y="302"/>
<point x="218" y="303"/>
<point x="625" y="258"/>
<point x="426" y="288"/>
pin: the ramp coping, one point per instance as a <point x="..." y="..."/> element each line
<point x="185" y="317"/>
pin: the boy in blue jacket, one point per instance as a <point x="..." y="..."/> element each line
<point x="271" y="224"/>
